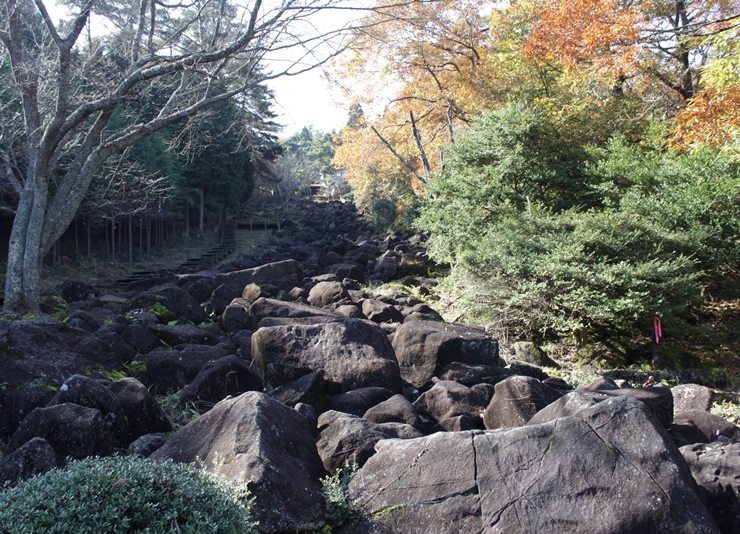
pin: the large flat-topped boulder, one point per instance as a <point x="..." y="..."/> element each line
<point x="282" y="274"/>
<point x="353" y="353"/>
<point x="611" y="468"/>
<point x="424" y="348"/>
<point x="278" y="309"/>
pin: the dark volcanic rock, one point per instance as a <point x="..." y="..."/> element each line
<point x="469" y="374"/>
<point x="170" y="303"/>
<point x="352" y="353"/>
<point x="142" y="412"/>
<point x="146" y="445"/>
<point x="170" y="369"/>
<point x="397" y="409"/>
<point x="325" y="293"/>
<point x="516" y="400"/>
<point x="716" y="469"/>
<point x="85" y="391"/>
<point x="72" y="430"/>
<point x="658" y="399"/>
<point x="380" y="312"/>
<point x="449" y="399"/>
<point x="358" y="401"/>
<point x="699" y="426"/>
<point x="283" y="275"/>
<point x="30" y="345"/>
<point x="266" y="443"/>
<point x="34" y="457"/>
<point x="609" y="469"/>
<point x="423" y="348"/>
<point x="230" y="375"/>
<point x="349" y="439"/>
<point x="264" y="308"/>
<point x="692" y="397"/>
<point x="74" y="290"/>
<point x="179" y="334"/>
<point x="309" y="389"/>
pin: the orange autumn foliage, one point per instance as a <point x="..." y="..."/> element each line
<point x="712" y="117"/>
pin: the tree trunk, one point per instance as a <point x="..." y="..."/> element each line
<point x="24" y="249"/>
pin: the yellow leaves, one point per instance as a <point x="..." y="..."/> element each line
<point x="578" y="30"/>
<point x="712" y="117"/>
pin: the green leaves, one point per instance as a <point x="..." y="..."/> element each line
<point x="126" y="495"/>
<point x="547" y="240"/>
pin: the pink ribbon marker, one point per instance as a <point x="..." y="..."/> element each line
<point x="658" y="329"/>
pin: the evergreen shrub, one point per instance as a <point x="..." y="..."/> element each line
<point x="125" y="494"/>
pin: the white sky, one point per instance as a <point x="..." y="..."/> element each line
<point x="303" y="100"/>
<point x="308" y="100"/>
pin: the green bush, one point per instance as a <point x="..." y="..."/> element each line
<point x="596" y="272"/>
<point x="122" y="494"/>
<point x="547" y="239"/>
<point x="342" y="515"/>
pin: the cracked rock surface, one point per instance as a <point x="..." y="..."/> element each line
<point x="610" y="468"/>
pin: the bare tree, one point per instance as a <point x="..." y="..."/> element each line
<point x="72" y="81"/>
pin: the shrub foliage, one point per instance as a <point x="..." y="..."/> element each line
<point x="548" y="240"/>
<point x="122" y="494"/>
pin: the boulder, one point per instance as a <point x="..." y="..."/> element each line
<point x="146" y="445"/>
<point x="349" y="439"/>
<point x="236" y="315"/>
<point x="352" y="353"/>
<point x="658" y="399"/>
<point x="85" y="391"/>
<point x="230" y="375"/>
<point x="716" y="469"/>
<point x="282" y="274"/>
<point x="72" y="430"/>
<point x="469" y="374"/>
<point x="200" y="289"/>
<point x="692" y="397"/>
<point x="222" y="296"/>
<point x="308" y="389"/>
<point x="423" y="348"/>
<point x="569" y="404"/>
<point x="264" y="308"/>
<point x="180" y="334"/>
<point x="140" y="338"/>
<point x="171" y="369"/>
<point x="608" y="469"/>
<point x="142" y="412"/>
<point x="325" y="293"/>
<point x="74" y="290"/>
<point x="253" y="438"/>
<point x="34" y="457"/>
<point x="516" y="400"/>
<point x="699" y="426"/>
<point x="397" y="409"/>
<point x="82" y="320"/>
<point x="449" y="399"/>
<point x="252" y="292"/>
<point x="358" y="401"/>
<point x="28" y="345"/>
<point x="169" y="304"/>
<point x="350" y="271"/>
<point x="380" y="312"/>
<point x="387" y="266"/>
<point x="350" y="310"/>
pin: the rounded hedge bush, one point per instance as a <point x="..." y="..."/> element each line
<point x="122" y="494"/>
